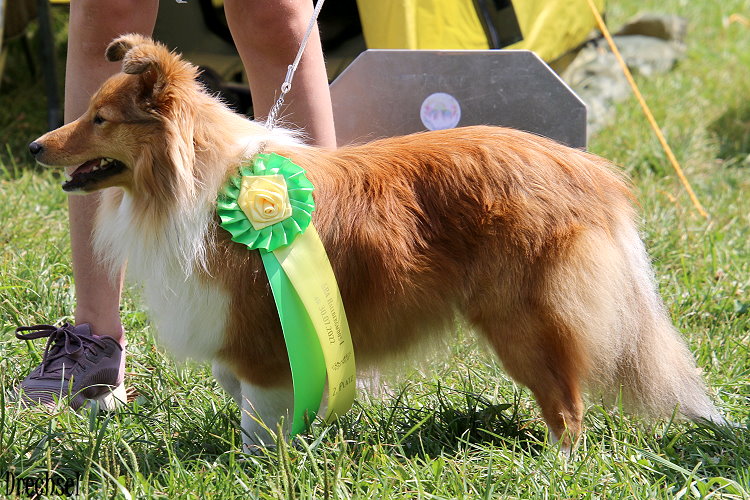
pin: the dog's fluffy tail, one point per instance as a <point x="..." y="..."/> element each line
<point x="656" y="370"/>
<point x="633" y="349"/>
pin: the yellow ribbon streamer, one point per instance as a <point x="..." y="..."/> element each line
<point x="308" y="268"/>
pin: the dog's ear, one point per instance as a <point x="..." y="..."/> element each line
<point x="119" y="46"/>
<point x="136" y="52"/>
<point x="153" y="61"/>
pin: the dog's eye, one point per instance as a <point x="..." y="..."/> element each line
<point x="98" y="120"/>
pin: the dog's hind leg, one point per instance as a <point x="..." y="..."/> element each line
<point x="262" y="410"/>
<point x="541" y="355"/>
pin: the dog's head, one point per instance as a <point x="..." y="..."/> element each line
<point x="137" y="130"/>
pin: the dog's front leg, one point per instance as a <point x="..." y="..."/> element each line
<point x="262" y="410"/>
<point x="224" y="375"/>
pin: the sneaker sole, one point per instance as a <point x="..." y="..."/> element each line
<point x="113" y="399"/>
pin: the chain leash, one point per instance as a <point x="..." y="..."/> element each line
<point x="287" y="85"/>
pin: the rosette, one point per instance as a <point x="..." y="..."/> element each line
<point x="268" y="204"/>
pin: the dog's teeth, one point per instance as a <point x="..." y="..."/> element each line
<point x="95" y="168"/>
<point x="107" y="160"/>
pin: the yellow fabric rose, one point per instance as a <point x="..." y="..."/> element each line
<point x="264" y="199"/>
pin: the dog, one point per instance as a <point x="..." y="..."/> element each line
<point x="533" y="243"/>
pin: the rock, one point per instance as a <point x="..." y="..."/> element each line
<point x="664" y="26"/>
<point x="649" y="55"/>
<point x="596" y="76"/>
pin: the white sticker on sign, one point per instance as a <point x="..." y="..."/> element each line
<point x="440" y="111"/>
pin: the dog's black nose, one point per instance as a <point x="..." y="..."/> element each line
<point x="35" y="148"/>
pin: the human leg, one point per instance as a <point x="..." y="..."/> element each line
<point x="87" y="357"/>
<point x="93" y="24"/>
<point x="268" y="34"/>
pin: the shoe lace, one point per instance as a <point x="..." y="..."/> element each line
<point x="61" y="342"/>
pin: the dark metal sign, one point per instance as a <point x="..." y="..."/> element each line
<point x="395" y="92"/>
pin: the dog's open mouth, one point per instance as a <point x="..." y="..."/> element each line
<point x="92" y="171"/>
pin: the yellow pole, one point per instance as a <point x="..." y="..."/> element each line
<point x="646" y="110"/>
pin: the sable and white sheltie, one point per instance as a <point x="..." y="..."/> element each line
<point x="533" y="243"/>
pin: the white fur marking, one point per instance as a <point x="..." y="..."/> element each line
<point x="262" y="409"/>
<point x="227" y="380"/>
<point x="189" y="312"/>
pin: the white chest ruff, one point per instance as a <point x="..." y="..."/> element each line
<point x="189" y="315"/>
<point x="188" y="311"/>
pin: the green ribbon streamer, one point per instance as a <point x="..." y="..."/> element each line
<point x="305" y="355"/>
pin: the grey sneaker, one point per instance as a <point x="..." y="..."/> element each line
<point x="75" y="363"/>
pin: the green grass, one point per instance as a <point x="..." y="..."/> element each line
<point x="459" y="429"/>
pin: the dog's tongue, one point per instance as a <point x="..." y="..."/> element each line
<point x="86" y="167"/>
